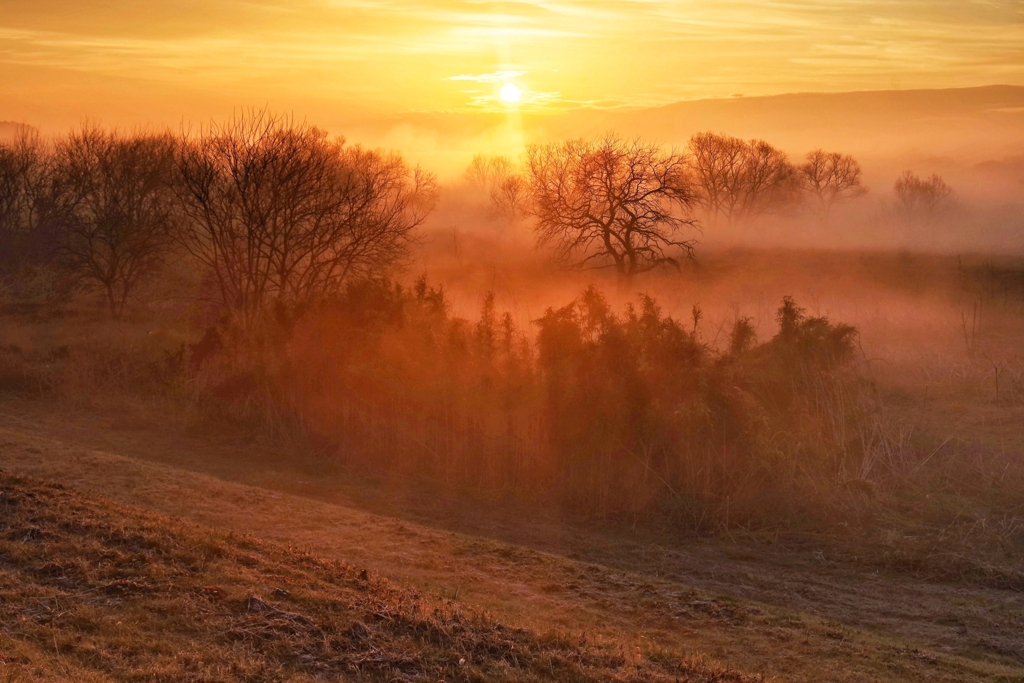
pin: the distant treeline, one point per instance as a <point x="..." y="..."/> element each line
<point x="726" y="179"/>
<point x="268" y="211"/>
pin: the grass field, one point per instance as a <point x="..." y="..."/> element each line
<point x="645" y="605"/>
<point x="94" y="591"/>
<point x="146" y="537"/>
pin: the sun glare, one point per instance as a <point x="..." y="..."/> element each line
<point x="510" y="92"/>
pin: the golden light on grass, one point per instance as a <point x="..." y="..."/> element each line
<point x="510" y="93"/>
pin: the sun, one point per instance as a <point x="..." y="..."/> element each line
<point x="510" y="92"/>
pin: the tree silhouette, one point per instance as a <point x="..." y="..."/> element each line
<point x="831" y="178"/>
<point x="14" y="166"/>
<point x="506" y="187"/>
<point x="740" y="180"/>
<point x="279" y="212"/>
<point x="917" y="198"/>
<point x="112" y="200"/>
<point x="24" y="174"/>
<point x="488" y="170"/>
<point x="611" y="203"/>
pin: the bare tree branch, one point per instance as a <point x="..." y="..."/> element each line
<point x="739" y="180"/>
<point x="281" y="213"/>
<point x="110" y="195"/>
<point x="831" y="178"/>
<point x="611" y="203"/>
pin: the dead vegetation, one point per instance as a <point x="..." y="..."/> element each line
<point x="93" y="591"/>
<point x="712" y="434"/>
<point x="786" y="606"/>
<point x="589" y="408"/>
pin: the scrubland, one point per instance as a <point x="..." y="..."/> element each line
<point x="881" y="540"/>
<point x="324" y="417"/>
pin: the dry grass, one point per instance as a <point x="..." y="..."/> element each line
<point x="917" y="574"/>
<point x="94" y="591"/>
<point x="789" y="607"/>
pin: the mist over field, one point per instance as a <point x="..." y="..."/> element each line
<point x="446" y="340"/>
<point x="971" y="137"/>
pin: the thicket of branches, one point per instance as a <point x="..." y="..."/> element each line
<point x="281" y="213"/>
<point x="112" y="196"/>
<point x="20" y="180"/>
<point x="611" y="203"/>
<point x="738" y="180"/>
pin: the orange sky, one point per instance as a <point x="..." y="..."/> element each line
<point x="142" y="61"/>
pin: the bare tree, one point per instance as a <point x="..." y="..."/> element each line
<point x="831" y="178"/>
<point x="611" y="203"/>
<point x="24" y="162"/>
<point x="917" y="198"/>
<point x="504" y="182"/>
<point x="489" y="169"/>
<point x="14" y="168"/>
<point x="740" y="180"/>
<point x="279" y="212"/>
<point x="111" y="195"/>
<point x="771" y="181"/>
<point x="509" y="197"/>
<point x="717" y="162"/>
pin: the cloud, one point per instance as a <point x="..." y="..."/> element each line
<point x="529" y="100"/>
<point x="400" y="55"/>
<point x="494" y="77"/>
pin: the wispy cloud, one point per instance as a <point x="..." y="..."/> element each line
<point x="530" y="100"/>
<point x="493" y="77"/>
<point x="414" y="54"/>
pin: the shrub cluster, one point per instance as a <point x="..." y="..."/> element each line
<point x="603" y="411"/>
